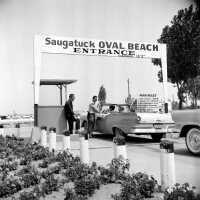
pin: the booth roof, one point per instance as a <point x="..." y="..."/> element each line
<point x="56" y="81"/>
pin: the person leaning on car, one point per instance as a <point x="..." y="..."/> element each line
<point x="69" y="113"/>
<point x="91" y="117"/>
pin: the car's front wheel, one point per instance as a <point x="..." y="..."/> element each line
<point x="193" y="141"/>
<point x="157" y="137"/>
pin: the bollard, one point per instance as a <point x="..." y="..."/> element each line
<point x="74" y="127"/>
<point x="167" y="164"/>
<point x="43" y="139"/>
<point x="66" y="140"/>
<point x="119" y="147"/>
<point x="84" y="148"/>
<point x="120" y="150"/>
<point x="18" y="130"/>
<point x="52" y="139"/>
<point x="1" y="130"/>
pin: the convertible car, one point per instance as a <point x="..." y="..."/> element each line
<point x="118" y="119"/>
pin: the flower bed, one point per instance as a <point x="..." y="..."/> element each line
<point x="30" y="171"/>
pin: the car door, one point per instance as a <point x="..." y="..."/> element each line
<point x="100" y="124"/>
<point x="104" y="124"/>
<point x="122" y="120"/>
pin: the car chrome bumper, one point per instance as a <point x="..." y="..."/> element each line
<point x="151" y="130"/>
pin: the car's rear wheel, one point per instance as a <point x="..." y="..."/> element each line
<point x="193" y="141"/>
<point x="157" y="137"/>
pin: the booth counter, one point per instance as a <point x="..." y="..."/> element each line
<point x="52" y="116"/>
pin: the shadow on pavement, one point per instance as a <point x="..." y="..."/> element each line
<point x="183" y="152"/>
<point x="129" y="139"/>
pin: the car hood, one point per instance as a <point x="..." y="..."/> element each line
<point x="155" y="117"/>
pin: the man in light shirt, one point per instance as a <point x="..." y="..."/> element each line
<point x="91" y="117"/>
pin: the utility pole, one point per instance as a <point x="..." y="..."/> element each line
<point x="128" y="87"/>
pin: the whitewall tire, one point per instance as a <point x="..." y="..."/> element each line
<point x="193" y="141"/>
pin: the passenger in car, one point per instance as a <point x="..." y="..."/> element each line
<point x="111" y="108"/>
<point x="120" y="109"/>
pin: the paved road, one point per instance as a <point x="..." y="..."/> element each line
<point x="144" y="156"/>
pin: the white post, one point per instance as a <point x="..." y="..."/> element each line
<point x="167" y="164"/>
<point x="74" y="127"/>
<point x="43" y="139"/>
<point x="52" y="139"/>
<point x="18" y="130"/>
<point x="119" y="147"/>
<point x="84" y="149"/>
<point x="66" y="140"/>
<point x="37" y="69"/>
<point x="2" y="131"/>
<point x="120" y="150"/>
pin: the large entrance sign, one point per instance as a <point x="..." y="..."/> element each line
<point x="93" y="47"/>
<point x="76" y="46"/>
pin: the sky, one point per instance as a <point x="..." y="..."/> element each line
<point x="128" y="20"/>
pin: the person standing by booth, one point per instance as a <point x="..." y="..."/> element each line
<point x="91" y="117"/>
<point x="69" y="113"/>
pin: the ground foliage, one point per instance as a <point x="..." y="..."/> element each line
<point x="181" y="192"/>
<point x="54" y="171"/>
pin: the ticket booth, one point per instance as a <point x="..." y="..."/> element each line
<point x="53" y="115"/>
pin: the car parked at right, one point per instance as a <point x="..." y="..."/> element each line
<point x="188" y="123"/>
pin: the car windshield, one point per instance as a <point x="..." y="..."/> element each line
<point x="115" y="108"/>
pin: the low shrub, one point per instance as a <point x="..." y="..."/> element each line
<point x="8" y="166"/>
<point x="129" y="190"/>
<point x="50" y="184"/>
<point x="40" y="153"/>
<point x="30" y="179"/>
<point x="45" y="174"/>
<point x="55" y="169"/>
<point x="181" y="192"/>
<point x="43" y="164"/>
<point x="26" y="169"/>
<point x="34" y="194"/>
<point x="86" y="185"/>
<point x="9" y="186"/>
<point x="136" y="187"/>
<point x="26" y="160"/>
<point x="146" y="184"/>
<point x="71" y="195"/>
<point x="28" y="195"/>
<point x="117" y="170"/>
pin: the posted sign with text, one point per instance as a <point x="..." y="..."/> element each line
<point x="90" y="47"/>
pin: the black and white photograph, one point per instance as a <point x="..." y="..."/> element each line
<point x="100" y="100"/>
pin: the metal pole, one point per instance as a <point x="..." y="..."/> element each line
<point x="65" y="86"/>
<point x="61" y="95"/>
<point x="128" y="88"/>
